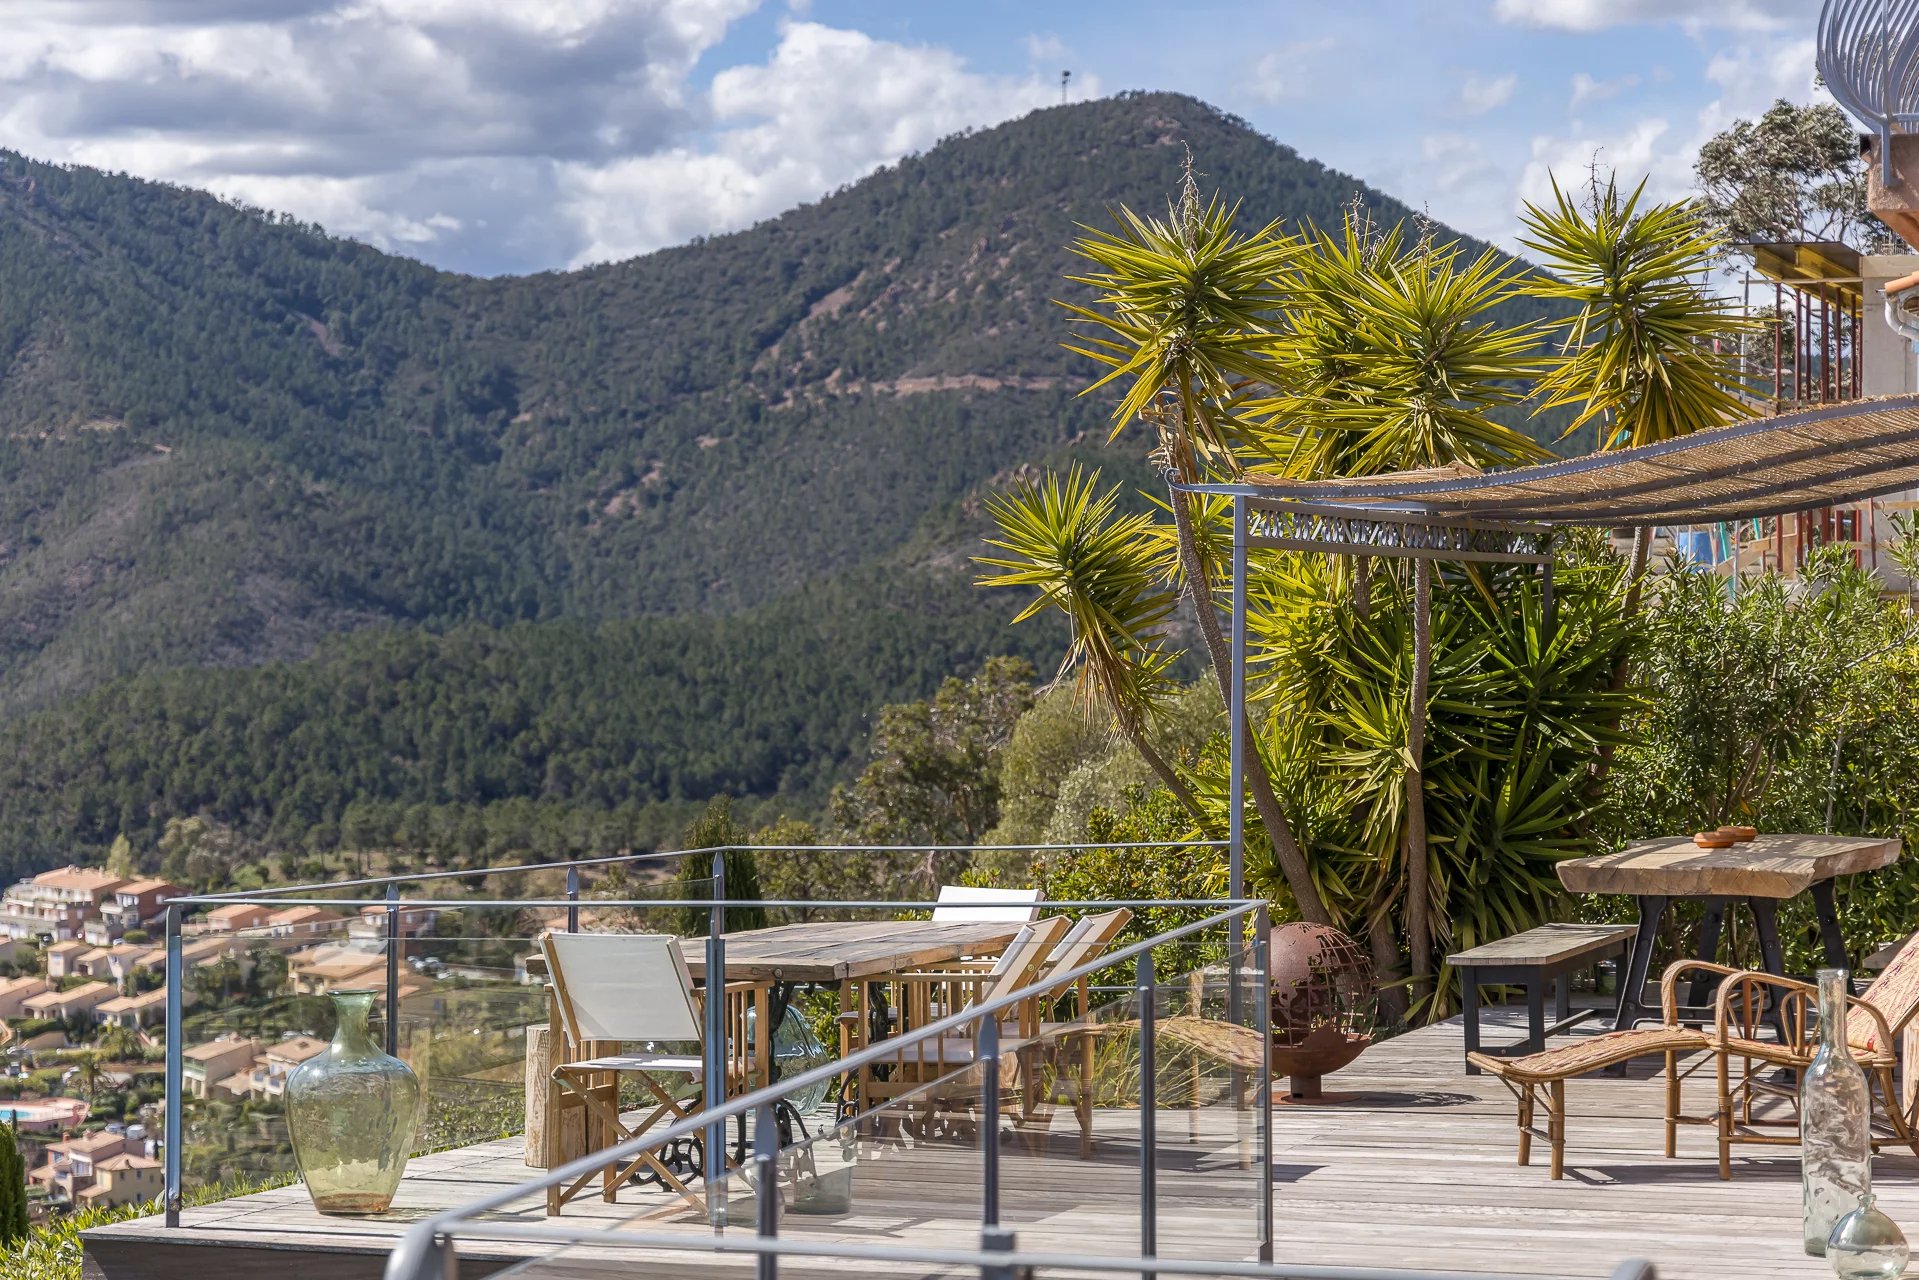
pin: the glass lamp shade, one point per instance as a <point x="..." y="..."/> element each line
<point x="352" y="1112"/>
<point x="1867" y="1245"/>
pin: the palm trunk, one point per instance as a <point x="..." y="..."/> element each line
<point x="1419" y="903"/>
<point x="1635" y="579"/>
<point x="1292" y="861"/>
<point x="1164" y="770"/>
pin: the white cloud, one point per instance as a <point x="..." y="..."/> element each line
<point x="1597" y="15"/>
<point x="1290" y="71"/>
<point x="829" y="106"/>
<point x="1481" y="94"/>
<point x="1639" y="150"/>
<point x="1588" y="89"/>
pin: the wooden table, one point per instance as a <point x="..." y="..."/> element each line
<point x="838" y="951"/>
<point x="1764" y="871"/>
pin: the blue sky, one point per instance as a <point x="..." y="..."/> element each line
<point x="519" y="135"/>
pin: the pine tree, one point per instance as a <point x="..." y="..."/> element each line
<point x="13" y="1190"/>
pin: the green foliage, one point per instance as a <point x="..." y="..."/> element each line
<point x="1646" y="351"/>
<point x="693" y="879"/>
<point x="1797" y="174"/>
<point x="1787" y="706"/>
<point x="13" y="1190"/>
<point x="932" y="775"/>
<point x="553" y="739"/>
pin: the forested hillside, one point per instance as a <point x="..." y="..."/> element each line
<point x="226" y="436"/>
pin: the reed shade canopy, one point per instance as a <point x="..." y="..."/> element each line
<point x="1827" y="456"/>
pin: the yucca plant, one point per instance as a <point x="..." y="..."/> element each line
<point x="1067" y="543"/>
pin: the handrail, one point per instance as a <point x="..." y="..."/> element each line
<point x="405" y="1260"/>
<point x="564" y="864"/>
<point x="423" y="1238"/>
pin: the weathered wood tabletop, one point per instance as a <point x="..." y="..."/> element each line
<point x="1770" y="866"/>
<point x="849" y="950"/>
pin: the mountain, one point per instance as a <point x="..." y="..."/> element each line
<point x="226" y="436"/>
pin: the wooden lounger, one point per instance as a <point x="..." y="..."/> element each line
<point x="1540" y="1079"/>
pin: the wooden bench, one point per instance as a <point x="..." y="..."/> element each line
<point x="1550" y="953"/>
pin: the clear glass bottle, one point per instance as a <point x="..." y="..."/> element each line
<point x="1867" y="1245"/>
<point x="352" y="1113"/>
<point x="1835" y="1143"/>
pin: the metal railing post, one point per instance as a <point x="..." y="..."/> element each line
<point x="1263" y="1093"/>
<point x="766" y="1146"/>
<point x="996" y="1240"/>
<point x="393" y="969"/>
<point x="1236" y="735"/>
<point x="714" y="1086"/>
<point x="176" y="1063"/>
<point x="989" y="1120"/>
<point x="1143" y="992"/>
<point x="573" y="899"/>
<point x="424" y="1255"/>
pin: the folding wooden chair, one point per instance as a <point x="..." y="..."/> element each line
<point x="606" y="990"/>
<point x="971" y="904"/>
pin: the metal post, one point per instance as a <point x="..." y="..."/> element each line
<point x="176" y="1037"/>
<point x="393" y="969"/>
<point x="1263" y="1095"/>
<point x="573" y="899"/>
<point x="715" y="1049"/>
<point x="989" y="1120"/>
<point x="1236" y="723"/>
<point x="1143" y="993"/>
<point x="766" y="1147"/>
<point x="996" y="1240"/>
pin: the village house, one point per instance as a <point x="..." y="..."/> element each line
<point x="137" y="1012"/>
<point x="61" y="959"/>
<point x="235" y="917"/>
<point x="303" y="922"/>
<point x="55" y="904"/>
<point x="134" y="905"/>
<point x="71" y="1165"/>
<point x="267" y="1077"/>
<point x="122" y="1180"/>
<point x="205" y="1067"/>
<point x="92" y="963"/>
<point x="414" y="922"/>
<point x="14" y="991"/>
<point x="68" y="1004"/>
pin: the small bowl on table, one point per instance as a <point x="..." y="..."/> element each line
<point x="1713" y="840"/>
<point x="1740" y="835"/>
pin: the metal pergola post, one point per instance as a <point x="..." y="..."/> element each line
<point x="1236" y="731"/>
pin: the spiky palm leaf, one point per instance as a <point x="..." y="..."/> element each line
<point x="1642" y="349"/>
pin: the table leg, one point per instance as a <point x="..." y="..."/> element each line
<point x="1829" y="934"/>
<point x="1535" y="1013"/>
<point x="1469" y="1011"/>
<point x="1765" y="925"/>
<point x="1562" y="997"/>
<point x="1710" y="925"/>
<point x="1633" y="982"/>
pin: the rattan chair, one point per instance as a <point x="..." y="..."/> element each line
<point x="1746" y="1066"/>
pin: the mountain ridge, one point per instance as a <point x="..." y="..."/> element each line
<point x="226" y="436"/>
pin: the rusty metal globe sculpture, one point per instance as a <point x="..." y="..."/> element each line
<point x="1325" y="1004"/>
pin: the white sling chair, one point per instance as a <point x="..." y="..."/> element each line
<point x="970" y="904"/>
<point x="609" y="988"/>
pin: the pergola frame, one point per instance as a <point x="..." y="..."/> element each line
<point x="1826" y="456"/>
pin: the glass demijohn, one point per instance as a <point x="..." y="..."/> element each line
<point x="1835" y="1143"/>
<point x="352" y="1112"/>
<point x="1867" y="1245"/>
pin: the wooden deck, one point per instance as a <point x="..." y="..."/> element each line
<point x="1410" y="1165"/>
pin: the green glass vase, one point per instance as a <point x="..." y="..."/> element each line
<point x="352" y="1112"/>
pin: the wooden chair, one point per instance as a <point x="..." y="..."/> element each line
<point x="1749" y="1001"/>
<point x="970" y="904"/>
<point x="610" y="989"/>
<point x="925" y="996"/>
